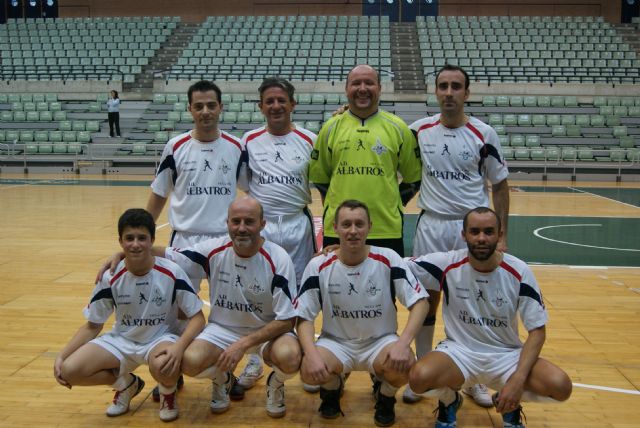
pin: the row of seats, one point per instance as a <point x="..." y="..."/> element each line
<point x="32" y="116"/>
<point x="43" y="136"/>
<point x="584" y="120"/>
<point x="571" y="154"/>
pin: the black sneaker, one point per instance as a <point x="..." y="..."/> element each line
<point x="330" y="406"/>
<point x="385" y="415"/>
<point x="236" y="393"/>
<point x="512" y="419"/>
<point x="447" y="414"/>
<point x="375" y="386"/>
<point x="155" y="394"/>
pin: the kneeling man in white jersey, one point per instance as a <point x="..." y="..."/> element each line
<point x="355" y="287"/>
<point x="145" y="292"/>
<point x="484" y="291"/>
<point x="252" y="283"/>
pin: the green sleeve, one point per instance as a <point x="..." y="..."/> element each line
<point x="410" y="165"/>
<point x="320" y="165"/>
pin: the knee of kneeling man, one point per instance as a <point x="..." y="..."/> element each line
<point x="564" y="388"/>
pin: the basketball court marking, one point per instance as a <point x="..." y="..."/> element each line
<point x="537" y="233"/>
<point x="606" y="388"/>
<point x="603" y="197"/>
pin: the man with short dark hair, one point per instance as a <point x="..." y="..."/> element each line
<point x="461" y="159"/>
<point x="355" y="287"/>
<point x="484" y="292"/>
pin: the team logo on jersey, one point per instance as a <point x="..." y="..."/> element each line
<point x="314" y="154"/>
<point x="157" y="298"/>
<point x="143" y="298"/>
<point x="238" y="282"/>
<point x="255" y="287"/>
<point x="297" y="158"/>
<point x="378" y="148"/>
<point x="480" y="296"/>
<point x="278" y="157"/>
<point x="224" y="167"/>
<point x="499" y="300"/>
<point x="445" y="150"/>
<point x="371" y="289"/>
<point x="207" y="165"/>
<point x="466" y="155"/>
<point x="360" y="145"/>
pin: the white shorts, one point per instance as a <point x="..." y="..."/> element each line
<point x="491" y="369"/>
<point x="358" y="356"/>
<point x="223" y="337"/>
<point x="294" y="233"/>
<point x="436" y="234"/>
<point x="130" y="353"/>
<point x="185" y="239"/>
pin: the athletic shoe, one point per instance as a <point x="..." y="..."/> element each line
<point x="155" y="394"/>
<point x="385" y="415"/>
<point x="447" y="414"/>
<point x="251" y="373"/>
<point x="410" y="397"/>
<point x="330" y="405"/>
<point x="511" y="419"/>
<point x="122" y="399"/>
<point x="480" y="394"/>
<point x="275" y="397"/>
<point x="312" y="389"/>
<point x="375" y="386"/>
<point x="236" y="393"/>
<point x="220" y="394"/>
<point x="168" y="407"/>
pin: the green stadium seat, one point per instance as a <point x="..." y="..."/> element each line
<point x="619" y="131"/>
<point x="502" y="101"/>
<point x="544" y="101"/>
<point x="495" y="119"/>
<point x="627" y="142"/>
<point x="553" y="120"/>
<point x="530" y="101"/>
<point x="557" y="101"/>
<point x="45" y="148"/>
<point x="538" y="153"/>
<point x="569" y="153"/>
<point x="230" y="117"/>
<point x="583" y="120"/>
<point x="244" y="117"/>
<point x="317" y="99"/>
<point x="33" y="116"/>
<point x="570" y="101"/>
<point x="167" y="125"/>
<point x="538" y="120"/>
<point x="159" y="98"/>
<point x="59" y="147"/>
<point x="524" y="120"/>
<point x="45" y="116"/>
<point x="257" y="117"/>
<point x="573" y="131"/>
<point x="606" y="110"/>
<point x="516" y="101"/>
<point x="617" y="155"/>
<point x="532" y="140"/>
<point x="567" y="119"/>
<point x="612" y="120"/>
<point x="41" y="136"/>
<point x="558" y="131"/>
<point x="31" y="148"/>
<point x="26" y="136"/>
<point x="11" y="135"/>
<point x="78" y="125"/>
<point x="185" y="116"/>
<point x="521" y="154"/>
<point x="138" y="149"/>
<point x="487" y="100"/>
<point x="174" y="116"/>
<point x="161" y="137"/>
<point x="585" y="154"/>
<point x="510" y="120"/>
<point x="6" y="116"/>
<point x="153" y="125"/>
<point x="517" y="140"/>
<point x="69" y="136"/>
<point x="598" y="120"/>
<point x="507" y="152"/>
<point x="59" y="116"/>
<point x="55" y="136"/>
<point x="599" y="101"/>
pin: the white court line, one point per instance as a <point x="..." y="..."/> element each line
<point x="162" y="225"/>
<point x="603" y="197"/>
<point x="537" y="233"/>
<point x="606" y="388"/>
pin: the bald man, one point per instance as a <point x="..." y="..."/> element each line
<point x="359" y="154"/>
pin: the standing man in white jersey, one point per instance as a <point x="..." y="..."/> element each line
<point x="355" y="287"/>
<point x="144" y="292"/>
<point x="484" y="292"/>
<point x="461" y="158"/>
<point x="251" y="286"/>
<point x="275" y="171"/>
<point x="198" y="172"/>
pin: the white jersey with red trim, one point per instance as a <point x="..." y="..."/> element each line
<point x="480" y="309"/>
<point x="457" y="164"/>
<point x="276" y="172"/>
<point x="201" y="178"/>
<point x="145" y="304"/>
<point x="245" y="293"/>
<point x="357" y="302"/>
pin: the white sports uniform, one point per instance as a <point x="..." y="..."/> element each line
<point x="144" y="306"/>
<point x="201" y="178"/>
<point x="457" y="165"/>
<point x="480" y="311"/>
<point x="276" y="173"/>
<point x="358" y="303"/>
<point x="245" y="293"/>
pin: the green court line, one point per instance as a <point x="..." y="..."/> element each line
<point x="627" y="196"/>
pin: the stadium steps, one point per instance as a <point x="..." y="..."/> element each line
<point x="405" y="58"/>
<point x="166" y="56"/>
<point x="630" y="34"/>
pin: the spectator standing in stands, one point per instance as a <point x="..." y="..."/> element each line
<point x="113" y="109"/>
<point x="485" y="292"/>
<point x="275" y="171"/>
<point x="359" y="154"/>
<point x="461" y="158"/>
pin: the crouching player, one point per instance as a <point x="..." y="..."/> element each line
<point x="145" y="292"/>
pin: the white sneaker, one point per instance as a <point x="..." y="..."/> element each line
<point x="312" y="389"/>
<point x="251" y="373"/>
<point x="168" y="407"/>
<point x="220" y="394"/>
<point x="410" y="397"/>
<point x="275" y="397"/>
<point x="122" y="399"/>
<point x="480" y="394"/>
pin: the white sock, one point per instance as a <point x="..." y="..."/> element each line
<point x="122" y="382"/>
<point x="166" y="390"/>
<point x="387" y="389"/>
<point x="254" y="358"/>
<point x="424" y="337"/>
<point x="282" y="376"/>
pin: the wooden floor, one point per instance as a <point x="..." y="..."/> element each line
<point x="54" y="237"/>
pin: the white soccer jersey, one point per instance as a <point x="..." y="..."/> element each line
<point x="143" y="304"/>
<point x="245" y="293"/>
<point x="456" y="165"/>
<point x="201" y="178"/>
<point x="277" y="169"/>
<point x="480" y="310"/>
<point x="357" y="302"/>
